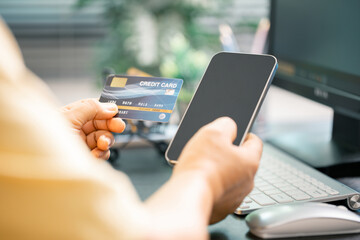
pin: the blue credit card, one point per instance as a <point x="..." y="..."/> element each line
<point x="142" y="98"/>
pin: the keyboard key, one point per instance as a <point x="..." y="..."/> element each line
<point x="327" y="187"/>
<point x="275" y="180"/>
<point x="291" y="178"/>
<point x="307" y="177"/>
<point x="298" y="195"/>
<point x="261" y="183"/>
<point x="302" y="184"/>
<point x="331" y="191"/>
<point x="291" y="192"/>
<point x="281" y="198"/>
<point x="281" y="184"/>
<point x="314" y="181"/>
<point x="321" y="184"/>
<point x="247" y="200"/>
<point x="294" y="180"/>
<point x="307" y="188"/>
<point x="244" y="207"/>
<point x="266" y="187"/>
<point x="263" y="199"/>
<point x="316" y="193"/>
<point x="322" y="187"/>
<point x="254" y="191"/>
<point x="288" y="188"/>
<point x="271" y="192"/>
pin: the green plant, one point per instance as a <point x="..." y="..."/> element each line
<point x="139" y="32"/>
<point x="184" y="62"/>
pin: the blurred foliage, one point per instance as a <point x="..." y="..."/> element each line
<point x="184" y="62"/>
<point x="161" y="37"/>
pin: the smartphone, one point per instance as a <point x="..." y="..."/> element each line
<point x="234" y="85"/>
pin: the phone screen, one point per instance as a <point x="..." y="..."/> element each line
<point x="233" y="85"/>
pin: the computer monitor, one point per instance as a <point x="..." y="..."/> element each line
<point x="317" y="44"/>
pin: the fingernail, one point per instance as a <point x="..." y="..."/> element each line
<point x="110" y="106"/>
<point x="102" y="154"/>
<point x="124" y="125"/>
<point x="105" y="138"/>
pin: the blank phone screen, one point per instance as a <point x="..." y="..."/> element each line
<point x="232" y="86"/>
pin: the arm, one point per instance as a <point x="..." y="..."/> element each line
<point x="209" y="182"/>
<point x="181" y="208"/>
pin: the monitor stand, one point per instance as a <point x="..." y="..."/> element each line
<point x="314" y="144"/>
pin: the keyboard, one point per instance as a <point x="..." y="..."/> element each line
<point x="282" y="179"/>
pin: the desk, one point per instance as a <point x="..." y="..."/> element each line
<point x="148" y="171"/>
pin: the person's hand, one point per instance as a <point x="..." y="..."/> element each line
<point x="94" y="122"/>
<point x="228" y="169"/>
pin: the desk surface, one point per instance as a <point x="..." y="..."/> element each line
<point x="148" y="171"/>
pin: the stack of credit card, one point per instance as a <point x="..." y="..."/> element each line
<point x="142" y="98"/>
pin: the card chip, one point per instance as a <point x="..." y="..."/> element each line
<point x="118" y="82"/>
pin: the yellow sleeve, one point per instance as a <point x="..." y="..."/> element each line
<point x="50" y="185"/>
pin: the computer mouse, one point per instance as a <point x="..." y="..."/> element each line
<point x="302" y="219"/>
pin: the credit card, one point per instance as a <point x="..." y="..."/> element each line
<point x="142" y="98"/>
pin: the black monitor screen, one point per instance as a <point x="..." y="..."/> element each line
<point x="317" y="43"/>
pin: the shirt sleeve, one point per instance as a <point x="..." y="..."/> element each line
<point x="51" y="186"/>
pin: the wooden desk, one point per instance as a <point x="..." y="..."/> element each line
<point x="148" y="171"/>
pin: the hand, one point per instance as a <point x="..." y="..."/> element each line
<point x="228" y="169"/>
<point x="94" y="122"/>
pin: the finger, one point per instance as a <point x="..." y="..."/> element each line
<point x="100" y="154"/>
<point x="104" y="142"/>
<point x="252" y="143"/>
<point x="92" y="139"/>
<point x="113" y="125"/>
<point x="89" y="109"/>
<point x="227" y="127"/>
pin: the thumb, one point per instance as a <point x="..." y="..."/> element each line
<point x="252" y="145"/>
<point x="226" y="126"/>
<point x="252" y="142"/>
<point x="86" y="110"/>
